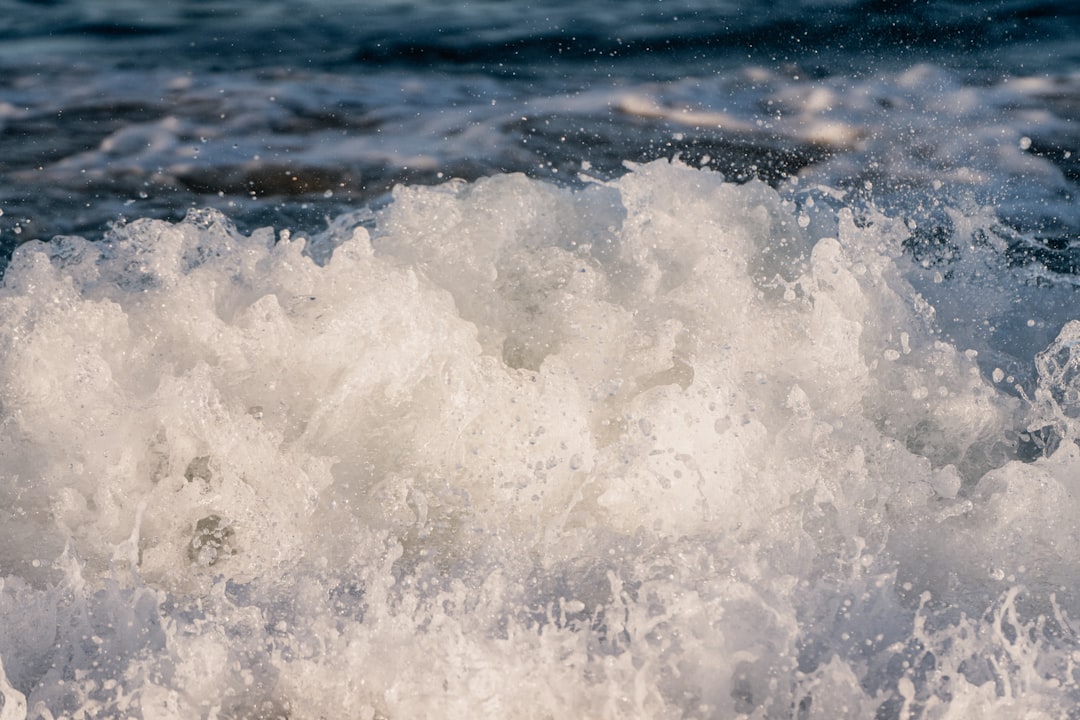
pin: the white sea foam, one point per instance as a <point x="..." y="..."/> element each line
<point x="652" y="448"/>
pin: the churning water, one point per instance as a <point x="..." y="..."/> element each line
<point x="648" y="360"/>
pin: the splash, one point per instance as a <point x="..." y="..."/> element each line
<point x="663" y="446"/>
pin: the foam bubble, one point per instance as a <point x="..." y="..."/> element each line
<point x="653" y="447"/>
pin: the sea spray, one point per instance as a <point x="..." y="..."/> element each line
<point x="662" y="446"/>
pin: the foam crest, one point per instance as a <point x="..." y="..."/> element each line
<point x="653" y="447"/>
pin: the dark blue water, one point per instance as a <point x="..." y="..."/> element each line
<point x="289" y="112"/>
<point x="673" y="37"/>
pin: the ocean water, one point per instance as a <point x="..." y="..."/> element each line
<point x="666" y="359"/>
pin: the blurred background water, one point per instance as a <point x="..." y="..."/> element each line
<point x="289" y="112"/>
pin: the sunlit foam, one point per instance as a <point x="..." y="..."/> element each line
<point x="650" y="448"/>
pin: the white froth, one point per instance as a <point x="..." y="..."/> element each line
<point x="652" y="448"/>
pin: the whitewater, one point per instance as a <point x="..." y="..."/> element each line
<point x="650" y="448"/>
<point x="426" y="362"/>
